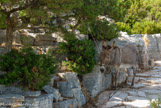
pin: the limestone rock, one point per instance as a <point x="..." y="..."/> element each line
<point x="32" y="93"/>
<point x="55" y="92"/>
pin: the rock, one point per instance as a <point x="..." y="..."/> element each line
<point x="141" y="93"/>
<point x="153" y="97"/>
<point x="31" y="93"/>
<point x="70" y="103"/>
<point x="46" y="101"/>
<point x="122" y="77"/>
<point x="95" y="82"/>
<point x="133" y="98"/>
<point x="50" y="90"/>
<point x="119" y="96"/>
<point x="152" y="91"/>
<point x="71" y="88"/>
<point x="81" y="36"/>
<point x="13" y="90"/>
<point x="45" y="38"/>
<point x="104" y="97"/>
<point x="133" y="93"/>
<point x="98" y="47"/>
<point x="43" y="101"/>
<point x="139" y="85"/>
<point x="112" y="104"/>
<point x="11" y="100"/>
<point x="2" y="89"/>
<point x="138" y="103"/>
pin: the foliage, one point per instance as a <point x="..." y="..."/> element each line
<point x="42" y="12"/>
<point x="80" y="54"/>
<point x="146" y="27"/>
<point x="155" y="103"/>
<point x="26" y="69"/>
<point x="100" y="30"/>
<point x="143" y="16"/>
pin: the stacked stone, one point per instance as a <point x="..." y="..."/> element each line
<point x="17" y="98"/>
<point x="71" y="92"/>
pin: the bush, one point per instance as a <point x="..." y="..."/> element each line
<point x="123" y="27"/>
<point x="26" y="69"/>
<point x="100" y="30"/>
<point x="80" y="54"/>
<point x="155" y="103"/>
<point x="146" y="27"/>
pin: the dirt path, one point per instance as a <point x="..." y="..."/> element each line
<point x="147" y="86"/>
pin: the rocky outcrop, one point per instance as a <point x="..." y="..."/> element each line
<point x="96" y="81"/>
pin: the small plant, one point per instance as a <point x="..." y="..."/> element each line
<point x="155" y="103"/>
<point x="80" y="54"/>
<point x="26" y="69"/>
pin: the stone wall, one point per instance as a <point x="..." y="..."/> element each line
<point x="18" y="98"/>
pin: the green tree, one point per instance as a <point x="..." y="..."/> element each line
<point x="143" y="16"/>
<point x="16" y="14"/>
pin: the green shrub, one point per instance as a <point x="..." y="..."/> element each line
<point x="26" y="69"/>
<point x="146" y="27"/>
<point x="100" y="30"/>
<point x="123" y="27"/>
<point x="80" y="54"/>
<point x="155" y="103"/>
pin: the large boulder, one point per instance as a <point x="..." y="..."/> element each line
<point x="96" y="82"/>
<point x="154" y="46"/>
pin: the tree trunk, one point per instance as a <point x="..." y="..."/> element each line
<point x="9" y="35"/>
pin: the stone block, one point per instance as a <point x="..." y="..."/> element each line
<point x="65" y="88"/>
<point x="50" y="90"/>
<point x="13" y="100"/>
<point x="14" y="90"/>
<point x="31" y="93"/>
<point x="2" y="89"/>
<point x="71" y="103"/>
<point x="95" y="82"/>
